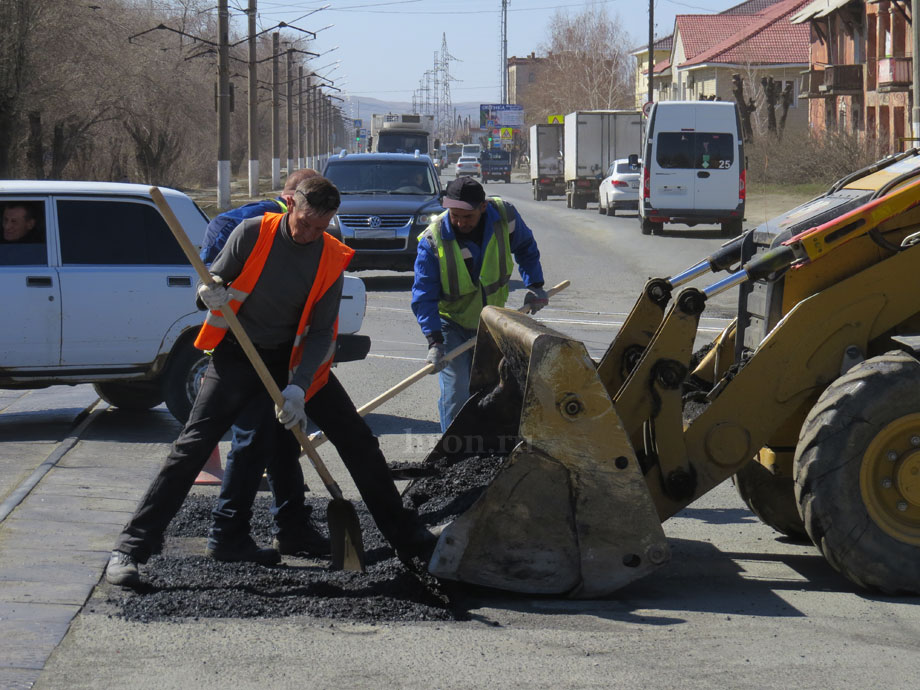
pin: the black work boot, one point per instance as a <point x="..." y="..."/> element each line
<point x="307" y="540"/>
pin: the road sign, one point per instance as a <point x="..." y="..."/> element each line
<point x="555" y="119"/>
<point x="358" y="124"/>
<point x="507" y="133"/>
<point x="647" y="108"/>
<point x="490" y="123"/>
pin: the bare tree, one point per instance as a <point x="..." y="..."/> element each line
<point x="587" y="66"/>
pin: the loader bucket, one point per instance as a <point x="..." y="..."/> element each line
<point x="569" y="512"/>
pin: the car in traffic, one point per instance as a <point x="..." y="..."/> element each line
<point x="496" y="165"/>
<point x="100" y="292"/>
<point x="467" y="166"/>
<point x="620" y="188"/>
<point x="387" y="200"/>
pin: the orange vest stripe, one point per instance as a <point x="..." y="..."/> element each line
<point x="332" y="263"/>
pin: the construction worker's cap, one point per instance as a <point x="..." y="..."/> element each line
<point x="465" y="193"/>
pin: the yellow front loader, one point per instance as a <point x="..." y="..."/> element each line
<point x="810" y="399"/>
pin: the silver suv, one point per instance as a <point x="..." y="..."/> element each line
<point x="387" y="200"/>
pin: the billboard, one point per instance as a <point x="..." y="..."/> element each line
<point x="498" y="115"/>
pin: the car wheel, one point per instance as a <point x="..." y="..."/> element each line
<point x="136" y="396"/>
<point x="611" y="210"/>
<point x="601" y="208"/>
<point x="646" y="225"/>
<point x="183" y="379"/>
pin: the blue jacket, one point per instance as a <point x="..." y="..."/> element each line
<point x="426" y="289"/>
<point x="222" y="225"/>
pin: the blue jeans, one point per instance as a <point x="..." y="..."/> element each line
<point x="454" y="379"/>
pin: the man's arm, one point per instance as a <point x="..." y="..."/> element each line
<point x="319" y="343"/>
<point x="426" y="292"/>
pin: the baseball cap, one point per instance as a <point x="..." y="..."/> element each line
<point x="465" y="193"/>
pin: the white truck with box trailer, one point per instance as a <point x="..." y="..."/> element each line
<point x="402" y="133"/>
<point x="547" y="145"/>
<point x="593" y="140"/>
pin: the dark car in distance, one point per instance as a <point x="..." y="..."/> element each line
<point x="388" y="199"/>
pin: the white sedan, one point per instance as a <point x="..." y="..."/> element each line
<point x="620" y="188"/>
<point x="468" y="166"/>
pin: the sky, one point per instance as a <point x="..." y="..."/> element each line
<point x="382" y="48"/>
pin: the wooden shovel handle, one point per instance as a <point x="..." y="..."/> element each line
<point x="319" y="437"/>
<point x="243" y="339"/>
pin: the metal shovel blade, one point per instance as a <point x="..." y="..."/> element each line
<point x="345" y="536"/>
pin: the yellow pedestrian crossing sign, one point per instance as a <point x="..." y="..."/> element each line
<point x="507" y="133"/>
<point x="555" y="119"/>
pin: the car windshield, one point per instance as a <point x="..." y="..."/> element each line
<point x="499" y="156"/>
<point x="381" y="177"/>
<point x="471" y="150"/>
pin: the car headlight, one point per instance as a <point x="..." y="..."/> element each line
<point x="426" y="218"/>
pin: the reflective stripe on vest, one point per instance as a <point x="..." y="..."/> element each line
<point x="462" y="300"/>
<point x="332" y="263"/>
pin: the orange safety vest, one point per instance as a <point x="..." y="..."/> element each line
<point x="332" y="263"/>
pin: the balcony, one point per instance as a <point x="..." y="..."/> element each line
<point x="894" y="74"/>
<point x="842" y="80"/>
<point x="812" y="80"/>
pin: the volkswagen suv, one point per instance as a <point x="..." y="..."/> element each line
<point x="387" y="200"/>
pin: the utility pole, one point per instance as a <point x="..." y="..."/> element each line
<point x="223" y="106"/>
<point x="253" y="101"/>
<point x="276" y="115"/>
<point x="504" y="94"/>
<point x="290" y="110"/>
<point x="651" y="50"/>
<point x="300" y="150"/>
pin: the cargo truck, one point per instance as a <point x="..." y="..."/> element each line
<point x="402" y="133"/>
<point x="547" y="144"/>
<point x="593" y="140"/>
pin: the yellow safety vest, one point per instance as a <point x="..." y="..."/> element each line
<point x="461" y="299"/>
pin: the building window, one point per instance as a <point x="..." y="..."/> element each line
<point x="531" y="78"/>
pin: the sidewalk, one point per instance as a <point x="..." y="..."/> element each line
<point x="59" y="515"/>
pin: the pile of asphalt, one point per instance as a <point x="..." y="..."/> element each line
<point x="183" y="583"/>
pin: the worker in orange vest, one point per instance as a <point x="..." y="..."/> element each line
<point x="283" y="275"/>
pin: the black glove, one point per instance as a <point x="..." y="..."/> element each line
<point x="536" y="298"/>
<point x="436" y="356"/>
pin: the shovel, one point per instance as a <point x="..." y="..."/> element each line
<point x="344" y="527"/>
<point x="318" y="437"/>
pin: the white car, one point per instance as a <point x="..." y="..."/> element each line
<point x="620" y="188"/>
<point x="100" y="292"/>
<point x="467" y="166"/>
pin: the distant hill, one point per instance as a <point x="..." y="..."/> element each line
<point x="362" y="108"/>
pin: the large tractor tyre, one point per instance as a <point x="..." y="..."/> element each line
<point x="135" y="396"/>
<point x="857" y="473"/>
<point x="771" y="498"/>
<point x="183" y="379"/>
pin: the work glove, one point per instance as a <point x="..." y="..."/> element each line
<point x="213" y="296"/>
<point x="436" y="356"/>
<point x="292" y="413"/>
<point x="536" y="299"/>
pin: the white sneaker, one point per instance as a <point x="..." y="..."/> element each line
<point x="122" y="570"/>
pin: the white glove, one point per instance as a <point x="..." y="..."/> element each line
<point x="435" y="356"/>
<point x="213" y="296"/>
<point x="292" y="414"/>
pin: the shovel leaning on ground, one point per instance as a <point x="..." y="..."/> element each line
<point x="344" y="528"/>
<point x="318" y="437"/>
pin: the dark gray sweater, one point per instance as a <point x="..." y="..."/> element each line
<point x="272" y="311"/>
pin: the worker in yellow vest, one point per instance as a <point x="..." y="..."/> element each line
<point x="282" y="274"/>
<point x="465" y="260"/>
